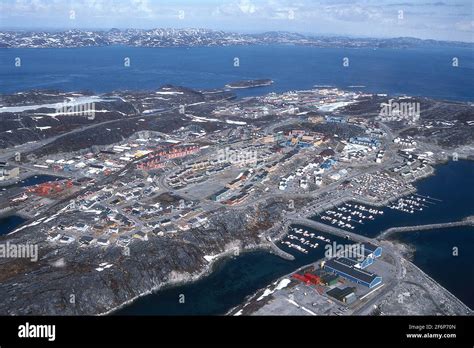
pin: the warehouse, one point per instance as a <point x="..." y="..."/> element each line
<point x="346" y="295"/>
<point x="347" y="269"/>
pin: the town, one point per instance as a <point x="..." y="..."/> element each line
<point x="313" y="152"/>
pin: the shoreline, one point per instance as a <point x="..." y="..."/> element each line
<point x="207" y="270"/>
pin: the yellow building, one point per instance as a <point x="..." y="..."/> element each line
<point x="268" y="139"/>
<point x="316" y="119"/>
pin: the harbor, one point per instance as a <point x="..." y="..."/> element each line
<point x="304" y="232"/>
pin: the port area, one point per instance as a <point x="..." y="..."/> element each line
<point x="314" y="290"/>
<point x="311" y="290"/>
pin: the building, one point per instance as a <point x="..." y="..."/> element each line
<point x="409" y="141"/>
<point x="329" y="279"/>
<point x="346" y="295"/>
<point x="103" y="241"/>
<point x="328" y="153"/>
<point x="66" y="239"/>
<point x="9" y="172"/>
<point x="123" y="240"/>
<point x="268" y="139"/>
<point x="316" y="119"/>
<point x="374" y="250"/>
<point x="221" y="195"/>
<point x="347" y="268"/>
<point x="328" y="164"/>
<point x="380" y="156"/>
<point x="365" y="141"/>
<point x="86" y="240"/>
<point x="140" y="235"/>
<point x="236" y="183"/>
<point x="335" y="119"/>
<point x="297" y="132"/>
<point x="365" y="259"/>
<point x="54" y="237"/>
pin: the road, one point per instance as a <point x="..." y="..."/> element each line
<point x="8" y="154"/>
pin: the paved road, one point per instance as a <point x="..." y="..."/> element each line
<point x="9" y="154"/>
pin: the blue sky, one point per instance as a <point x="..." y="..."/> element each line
<point x="444" y="20"/>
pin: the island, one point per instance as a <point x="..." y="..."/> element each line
<point x="249" y="84"/>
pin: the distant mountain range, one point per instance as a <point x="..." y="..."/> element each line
<point x="199" y="37"/>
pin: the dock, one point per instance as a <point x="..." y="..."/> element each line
<point x="469" y="221"/>
<point x="330" y="229"/>
<point x="277" y="251"/>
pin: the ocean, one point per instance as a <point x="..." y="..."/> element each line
<point x="425" y="72"/>
<point x="446" y="255"/>
<point x="10" y="223"/>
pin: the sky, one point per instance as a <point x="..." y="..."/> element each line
<point x="442" y="20"/>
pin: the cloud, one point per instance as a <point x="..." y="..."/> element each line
<point x="465" y="26"/>
<point x="451" y="20"/>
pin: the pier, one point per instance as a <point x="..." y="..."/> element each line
<point x="469" y="221"/>
<point x="329" y="229"/>
<point x="277" y="251"/>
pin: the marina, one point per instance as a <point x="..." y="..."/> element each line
<point x="353" y="217"/>
<point x="432" y="203"/>
<point x="413" y="203"/>
<point x="355" y="214"/>
<point x="301" y="239"/>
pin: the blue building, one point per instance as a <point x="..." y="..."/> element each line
<point x="366" y="141"/>
<point x="348" y="269"/>
<point x="366" y="261"/>
<point x="335" y="119"/>
<point x="370" y="253"/>
<point x="304" y="145"/>
<point x="372" y="249"/>
<point x="328" y="163"/>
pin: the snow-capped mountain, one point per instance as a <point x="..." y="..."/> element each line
<point x="166" y="37"/>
